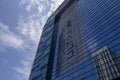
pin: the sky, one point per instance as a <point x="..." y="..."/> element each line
<point x="21" y="24"/>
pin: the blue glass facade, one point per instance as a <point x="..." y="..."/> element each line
<point x="99" y="25"/>
<point x="87" y="43"/>
<point x="40" y="66"/>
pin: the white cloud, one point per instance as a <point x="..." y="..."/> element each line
<point x="43" y="6"/>
<point x="30" y="29"/>
<point x="8" y="38"/>
<point x="23" y="71"/>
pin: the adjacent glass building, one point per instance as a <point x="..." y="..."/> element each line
<point x="80" y="41"/>
<point x="107" y="64"/>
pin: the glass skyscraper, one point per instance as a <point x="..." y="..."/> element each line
<point x="80" y="41"/>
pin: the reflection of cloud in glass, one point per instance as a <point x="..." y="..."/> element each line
<point x="92" y="44"/>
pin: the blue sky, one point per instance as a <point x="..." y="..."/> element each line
<point x="21" y="23"/>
